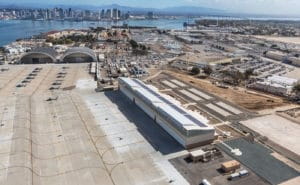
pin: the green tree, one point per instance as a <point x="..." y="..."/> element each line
<point x="109" y="34"/>
<point x="143" y="47"/>
<point x="133" y="44"/>
<point x="49" y="39"/>
<point x="195" y="70"/>
<point x="68" y="41"/>
<point x="248" y="73"/>
<point x="207" y="70"/>
<point x="115" y="33"/>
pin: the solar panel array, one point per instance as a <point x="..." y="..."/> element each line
<point x="184" y="113"/>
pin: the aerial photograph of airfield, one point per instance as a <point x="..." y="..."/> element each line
<point x="140" y="105"/>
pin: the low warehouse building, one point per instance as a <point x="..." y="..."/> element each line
<point x="295" y="61"/>
<point x="39" y="56"/>
<point x="279" y="85"/>
<point x="275" y="55"/>
<point x="230" y="166"/>
<point x="187" y="127"/>
<point x="79" y="55"/>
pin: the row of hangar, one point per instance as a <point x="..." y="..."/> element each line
<point x="44" y="55"/>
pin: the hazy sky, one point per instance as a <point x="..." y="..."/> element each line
<point x="246" y="6"/>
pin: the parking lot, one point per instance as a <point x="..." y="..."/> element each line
<point x="196" y="172"/>
<point x="259" y="159"/>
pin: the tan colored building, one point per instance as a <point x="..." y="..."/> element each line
<point x="230" y="166"/>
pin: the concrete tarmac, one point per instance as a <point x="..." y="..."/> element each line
<point x="52" y="132"/>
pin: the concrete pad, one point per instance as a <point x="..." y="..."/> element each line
<point x="92" y="176"/>
<point x="118" y="148"/>
<point x="140" y="171"/>
<point x="127" y="153"/>
<point x="79" y="138"/>
<point x="190" y="95"/>
<point x="293" y="181"/>
<point x="169" y="84"/>
<point x="180" y="84"/>
<point x="16" y="176"/>
<point x="218" y="110"/>
<point x="229" y="108"/>
<point x="278" y="129"/>
<point x="15" y="146"/>
<point x="11" y="134"/>
<point x="86" y="84"/>
<point x="16" y="159"/>
<point x="201" y="94"/>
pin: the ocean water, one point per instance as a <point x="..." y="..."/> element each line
<point x="10" y="30"/>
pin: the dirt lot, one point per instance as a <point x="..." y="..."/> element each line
<point x="290" y="40"/>
<point x="247" y="100"/>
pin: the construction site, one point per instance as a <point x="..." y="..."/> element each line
<point x="251" y="100"/>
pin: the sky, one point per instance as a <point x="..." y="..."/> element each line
<point x="284" y="7"/>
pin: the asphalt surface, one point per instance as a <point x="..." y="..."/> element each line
<point x="260" y="161"/>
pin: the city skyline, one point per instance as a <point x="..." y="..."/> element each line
<point x="276" y="7"/>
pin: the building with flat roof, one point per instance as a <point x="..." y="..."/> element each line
<point x="275" y="55"/>
<point x="278" y="85"/>
<point x="187" y="127"/>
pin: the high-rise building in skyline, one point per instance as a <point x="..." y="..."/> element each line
<point x="150" y="15"/>
<point x="102" y="15"/>
<point x="115" y="14"/>
<point x="108" y="14"/>
<point x="62" y="14"/>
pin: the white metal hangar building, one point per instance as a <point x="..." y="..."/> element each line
<point x="79" y="55"/>
<point x="39" y="56"/>
<point x="188" y="128"/>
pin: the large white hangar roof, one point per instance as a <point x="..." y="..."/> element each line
<point x="48" y="50"/>
<point x="180" y="116"/>
<point x="43" y="50"/>
<point x="82" y="50"/>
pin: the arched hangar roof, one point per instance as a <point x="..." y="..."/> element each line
<point x="80" y="50"/>
<point x="50" y="52"/>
